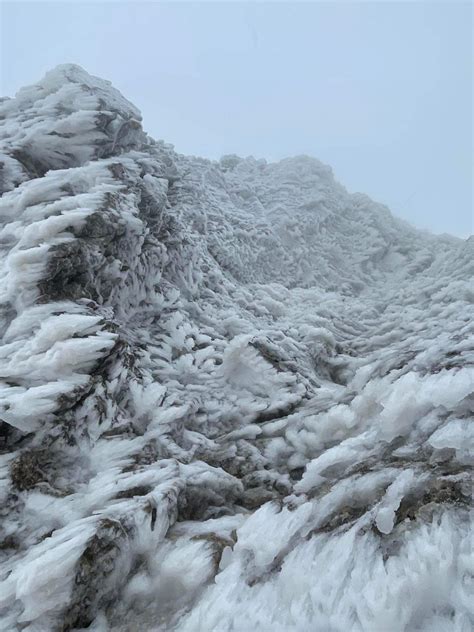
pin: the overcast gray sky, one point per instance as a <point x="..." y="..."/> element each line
<point x="380" y="91"/>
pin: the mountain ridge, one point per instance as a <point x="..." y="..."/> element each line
<point x="232" y="394"/>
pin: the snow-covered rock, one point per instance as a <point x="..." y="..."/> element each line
<point x="233" y="396"/>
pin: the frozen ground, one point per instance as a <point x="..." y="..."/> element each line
<point x="234" y="397"/>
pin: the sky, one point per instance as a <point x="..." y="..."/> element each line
<point x="381" y="91"/>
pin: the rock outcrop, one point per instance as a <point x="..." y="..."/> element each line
<point x="233" y="396"/>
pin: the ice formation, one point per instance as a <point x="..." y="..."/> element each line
<point x="233" y="396"/>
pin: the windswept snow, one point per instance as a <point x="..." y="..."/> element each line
<point x="233" y="396"/>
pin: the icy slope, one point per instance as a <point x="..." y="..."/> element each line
<point x="233" y="396"/>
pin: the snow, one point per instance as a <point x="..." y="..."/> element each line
<point x="233" y="396"/>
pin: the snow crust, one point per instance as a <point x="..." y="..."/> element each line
<point x="233" y="396"/>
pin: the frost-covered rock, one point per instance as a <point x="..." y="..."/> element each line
<point x="233" y="396"/>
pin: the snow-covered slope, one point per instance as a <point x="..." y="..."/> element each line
<point x="233" y="395"/>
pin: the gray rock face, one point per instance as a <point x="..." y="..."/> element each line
<point x="233" y="396"/>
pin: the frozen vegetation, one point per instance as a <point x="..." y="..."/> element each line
<point x="233" y="396"/>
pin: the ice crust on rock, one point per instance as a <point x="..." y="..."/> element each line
<point x="233" y="396"/>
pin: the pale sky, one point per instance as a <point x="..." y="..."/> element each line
<point x="380" y="91"/>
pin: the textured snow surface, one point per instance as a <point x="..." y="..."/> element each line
<point x="233" y="396"/>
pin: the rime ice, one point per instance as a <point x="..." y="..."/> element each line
<point x="232" y="394"/>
